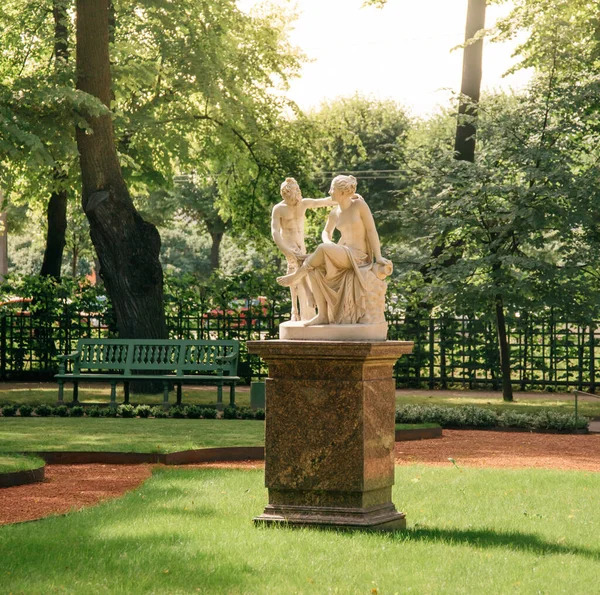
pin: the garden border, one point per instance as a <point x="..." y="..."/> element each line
<point x="18" y="478"/>
<point x="182" y="457"/>
<point x="418" y="434"/>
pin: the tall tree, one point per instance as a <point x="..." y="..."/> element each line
<point x="56" y="212"/>
<point x="127" y="246"/>
<point x="470" y="89"/>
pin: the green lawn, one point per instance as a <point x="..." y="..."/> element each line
<point x="9" y="463"/>
<point x="558" y="402"/>
<point x="186" y="531"/>
<point x="100" y="394"/>
<point x="125" y="435"/>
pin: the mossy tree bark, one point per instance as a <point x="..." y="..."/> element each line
<point x="127" y="246"/>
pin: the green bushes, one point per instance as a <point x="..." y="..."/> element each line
<point x="126" y="411"/>
<point x="143" y="411"/>
<point x="76" y="411"/>
<point x="43" y="410"/>
<point x="129" y="411"/>
<point x="479" y="417"/>
<point x="158" y="412"/>
<point x="61" y="411"/>
<point x="25" y="410"/>
<point x="9" y="410"/>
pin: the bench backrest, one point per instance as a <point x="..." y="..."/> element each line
<point x="179" y="356"/>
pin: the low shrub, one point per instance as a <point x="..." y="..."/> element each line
<point x="43" y="410"/>
<point x="479" y="417"/>
<point x="94" y="411"/>
<point x="209" y="413"/>
<point x="9" y="410"/>
<point x="25" y="410"/>
<point x="109" y="412"/>
<point x="127" y="411"/>
<point x="259" y="414"/>
<point x="158" y="412"/>
<point x="246" y="413"/>
<point x="61" y="411"/>
<point x="143" y="411"/>
<point x="230" y="413"/>
<point x="76" y="411"/>
<point x="177" y="412"/>
<point x="193" y="412"/>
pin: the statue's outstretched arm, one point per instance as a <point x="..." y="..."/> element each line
<point x="314" y="203"/>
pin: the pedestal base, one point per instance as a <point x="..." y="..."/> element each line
<point x="376" y="518"/>
<point x="297" y="331"/>
<point x="329" y="439"/>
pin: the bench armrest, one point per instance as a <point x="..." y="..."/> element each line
<point x="63" y="359"/>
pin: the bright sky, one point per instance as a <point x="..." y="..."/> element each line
<point x="400" y="52"/>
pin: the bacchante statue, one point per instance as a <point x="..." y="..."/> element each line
<point x="347" y="278"/>
<point x="287" y="229"/>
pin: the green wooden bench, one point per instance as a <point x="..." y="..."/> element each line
<point x="171" y="361"/>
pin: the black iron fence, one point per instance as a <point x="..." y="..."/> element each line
<point x="546" y="354"/>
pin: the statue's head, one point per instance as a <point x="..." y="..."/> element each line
<point x="290" y="191"/>
<point x="345" y="185"/>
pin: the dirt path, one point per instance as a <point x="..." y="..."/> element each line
<point x="70" y="487"/>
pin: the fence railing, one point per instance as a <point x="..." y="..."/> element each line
<point x="545" y="354"/>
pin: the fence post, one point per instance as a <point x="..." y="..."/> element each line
<point x="3" y="347"/>
<point x="431" y="353"/>
<point x="592" y="358"/>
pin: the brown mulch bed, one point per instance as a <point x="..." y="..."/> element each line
<point x="70" y="487"/>
<point x="474" y="448"/>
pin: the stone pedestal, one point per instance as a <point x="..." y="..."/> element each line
<point x="329" y="444"/>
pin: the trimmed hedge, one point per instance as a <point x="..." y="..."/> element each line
<point x="129" y="411"/>
<point x="479" y="417"/>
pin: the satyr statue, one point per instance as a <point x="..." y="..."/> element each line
<point x="287" y="229"/>
<point x="347" y="278"/>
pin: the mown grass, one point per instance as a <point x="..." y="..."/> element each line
<point x="416" y="426"/>
<point x="100" y="395"/>
<point x="560" y="403"/>
<point x="9" y="463"/>
<point x="125" y="435"/>
<point x="185" y="531"/>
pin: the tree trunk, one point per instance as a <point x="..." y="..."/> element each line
<point x="216" y="237"/>
<point x="127" y="246"/>
<point x="507" y="393"/>
<point x="55" y="235"/>
<point x="74" y="261"/>
<point x="57" y="205"/>
<point x="464" y="143"/>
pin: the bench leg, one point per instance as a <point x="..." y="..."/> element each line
<point x="220" y="396"/>
<point x="61" y="392"/>
<point x="232" y="394"/>
<point x="126" y="389"/>
<point x="113" y="394"/>
<point x="165" y="395"/>
<point x="75" y="392"/>
<point x="179" y="393"/>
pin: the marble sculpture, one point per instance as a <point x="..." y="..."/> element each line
<point x="346" y="281"/>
